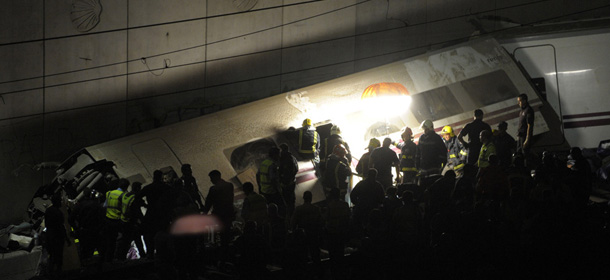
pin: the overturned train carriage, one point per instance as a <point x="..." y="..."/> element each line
<point x="444" y="86"/>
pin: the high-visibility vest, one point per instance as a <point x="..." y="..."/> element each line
<point x="126" y="201"/>
<point x="308" y="141"/>
<point x="265" y="178"/>
<point x="113" y="204"/>
<point x="486" y="151"/>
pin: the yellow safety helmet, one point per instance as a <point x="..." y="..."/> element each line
<point x="448" y="130"/>
<point x="427" y="124"/>
<point x="307" y="122"/>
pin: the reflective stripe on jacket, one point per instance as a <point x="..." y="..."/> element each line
<point x="308" y="141"/>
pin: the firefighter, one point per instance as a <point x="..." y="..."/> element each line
<point x="338" y="172"/>
<point x="329" y="143"/>
<point x="408" y="151"/>
<point x="431" y="150"/>
<point x="309" y="144"/>
<point x="456" y="153"/>
<point x="363" y="164"/>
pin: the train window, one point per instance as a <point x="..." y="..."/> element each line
<point x="540" y="85"/>
<point x="435" y="104"/>
<point x="490" y="88"/>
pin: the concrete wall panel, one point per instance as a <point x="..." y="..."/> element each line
<point x="58" y="21"/>
<point x="165" y="81"/>
<point x="146" y="12"/>
<point x="20" y="61"/>
<point x="21" y="142"/>
<point x="21" y="104"/>
<point x="21" y="21"/>
<point x="319" y="21"/>
<point x="226" y="96"/>
<point x="86" y="94"/>
<point x="172" y="44"/>
<point x="68" y="131"/>
<point x="243" y="68"/>
<point x="224" y="7"/>
<point x="239" y="34"/>
<point x="148" y="113"/>
<point x="391" y="41"/>
<point x="86" y="57"/>
<point x="316" y="55"/>
<point x="300" y="79"/>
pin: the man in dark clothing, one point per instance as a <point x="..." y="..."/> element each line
<point x="309" y="218"/>
<point x="439" y="193"/>
<point x="190" y="185"/>
<point x="337" y="229"/>
<point x="525" y="131"/>
<point x="473" y="130"/>
<point x="338" y="172"/>
<point x="87" y="219"/>
<point x="254" y="207"/>
<point x="431" y="150"/>
<point x="288" y="168"/>
<point x="220" y="200"/>
<point x="382" y="159"/>
<point x="367" y="195"/>
<point x="150" y="222"/>
<point x="56" y="235"/>
<point x="505" y="145"/>
<point x="408" y="152"/>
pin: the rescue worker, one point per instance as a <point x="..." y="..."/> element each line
<point x="113" y="218"/>
<point x="288" y="169"/>
<point x="338" y="172"/>
<point x="487" y="149"/>
<point x="309" y="144"/>
<point x="268" y="180"/>
<point x="505" y="145"/>
<point x="329" y="143"/>
<point x="408" y="151"/>
<point x="363" y="164"/>
<point x="130" y="219"/>
<point x="525" y="131"/>
<point x="382" y="159"/>
<point x="456" y="153"/>
<point x="254" y="207"/>
<point x="190" y="184"/>
<point x="431" y="150"/>
<point x="220" y="201"/>
<point x="472" y="130"/>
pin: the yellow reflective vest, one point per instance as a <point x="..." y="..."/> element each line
<point x="113" y="204"/>
<point x="486" y="151"/>
<point x="126" y="201"/>
<point x="268" y="184"/>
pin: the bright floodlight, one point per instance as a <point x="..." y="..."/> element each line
<point x="385" y="100"/>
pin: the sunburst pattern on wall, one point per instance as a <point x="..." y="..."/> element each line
<point x="244" y="5"/>
<point x="85" y="14"/>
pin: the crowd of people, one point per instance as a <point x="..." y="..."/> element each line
<point x="458" y="206"/>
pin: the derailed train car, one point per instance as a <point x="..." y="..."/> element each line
<point x="444" y="86"/>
